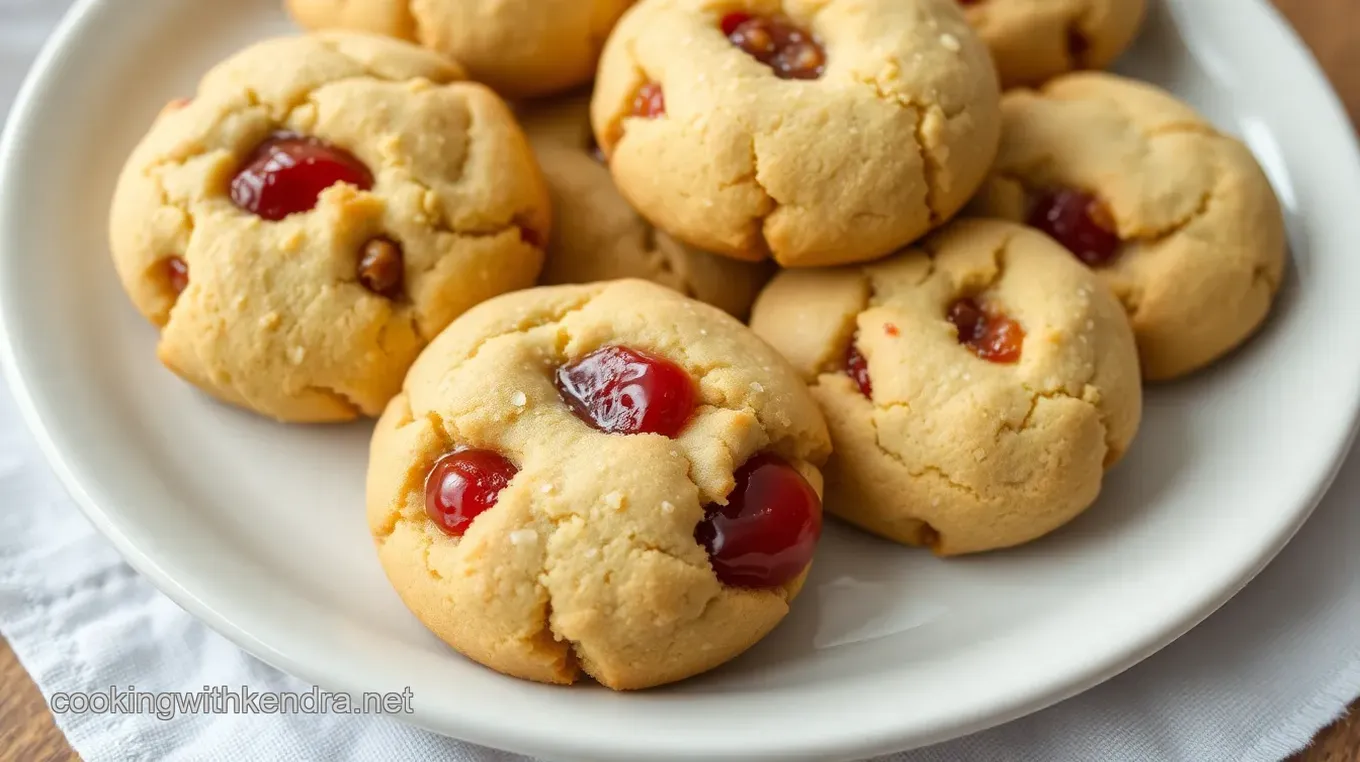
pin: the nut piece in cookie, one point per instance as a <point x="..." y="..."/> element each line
<point x="320" y="209"/>
<point x="807" y="132"/>
<point x="977" y="387"/>
<point x="521" y="48"/>
<point x="1176" y="217"/>
<point x="1033" y="42"/>
<point x="608" y="480"/>
<point x="599" y="236"/>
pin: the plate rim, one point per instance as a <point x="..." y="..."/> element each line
<point x="20" y="123"/>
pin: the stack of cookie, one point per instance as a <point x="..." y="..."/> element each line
<point x="955" y="295"/>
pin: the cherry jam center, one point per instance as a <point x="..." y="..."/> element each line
<point x="858" y="369"/>
<point x="766" y="534"/>
<point x="287" y="172"/>
<point x="1079" y="221"/>
<point x="464" y="484"/>
<point x="791" y="51"/>
<point x="176" y="273"/>
<point x="649" y="102"/>
<point x="623" y="391"/>
<point x="988" y="333"/>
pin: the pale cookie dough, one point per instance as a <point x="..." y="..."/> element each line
<point x="588" y="562"/>
<point x="598" y="235"/>
<point x="953" y="451"/>
<point x="1204" y="237"/>
<point x="1036" y="40"/>
<point x="274" y="318"/>
<point x="522" y="48"/>
<point x="889" y="142"/>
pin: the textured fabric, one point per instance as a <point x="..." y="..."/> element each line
<point x="1254" y="682"/>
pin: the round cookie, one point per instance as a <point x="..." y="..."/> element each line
<point x="310" y="306"/>
<point x="1177" y="218"/>
<point x="976" y="387"/>
<point x="599" y="236"/>
<point x="1035" y="40"/>
<point x="587" y="562"/>
<point x="862" y="125"/>
<point x="522" y="48"/>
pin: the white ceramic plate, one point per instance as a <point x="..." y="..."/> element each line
<point x="257" y="527"/>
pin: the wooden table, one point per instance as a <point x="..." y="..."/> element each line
<point x="1331" y="28"/>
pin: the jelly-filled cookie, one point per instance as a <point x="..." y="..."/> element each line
<point x="813" y="132"/>
<point x="320" y="209"/>
<point x="598" y="235"/>
<point x="522" y="48"/>
<point x="1036" y="40"/>
<point x="1177" y="218"/>
<point x="609" y="479"/>
<point x="976" y="387"/>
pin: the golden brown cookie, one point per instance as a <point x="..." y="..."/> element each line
<point x="608" y="479"/>
<point x="598" y="235"/>
<point x="976" y="387"/>
<point x="1176" y="217"/>
<point x="522" y="48"/>
<point x="1036" y="40"/>
<point x="852" y="128"/>
<point x="321" y="208"/>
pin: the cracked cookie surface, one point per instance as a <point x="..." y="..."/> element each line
<point x="274" y="316"/>
<point x="588" y="561"/>
<point x="521" y="48"/>
<point x="950" y="450"/>
<point x="888" y="142"/>
<point x="598" y="236"/>
<point x="1203" y="236"/>
<point x="1033" y="41"/>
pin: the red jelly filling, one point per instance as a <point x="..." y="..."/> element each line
<point x="858" y="369"/>
<point x="286" y="173"/>
<point x="789" y="50"/>
<point x="623" y="391"/>
<point x="464" y="484"/>
<point x="176" y="273"/>
<point x="1080" y="221"/>
<point x="649" y="102"/>
<point x="767" y="532"/>
<point x="990" y="334"/>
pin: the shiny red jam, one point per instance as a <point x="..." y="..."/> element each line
<point x="287" y="172"/>
<point x="792" y="52"/>
<point x="623" y="391"/>
<point x="176" y="273"/>
<point x="988" y="333"/>
<point x="1080" y="221"/>
<point x="766" y="534"/>
<point x="858" y="369"/>
<point x="649" y="102"/>
<point x="464" y="484"/>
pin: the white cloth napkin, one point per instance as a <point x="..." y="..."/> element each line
<point x="1254" y="682"/>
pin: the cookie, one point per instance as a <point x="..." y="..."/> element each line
<point x="609" y="479"/>
<point x="522" y="48"/>
<point x="1036" y="40"/>
<point x="320" y="209"/>
<point x="836" y="133"/>
<point x="977" y="387"/>
<point x="598" y="235"/>
<point x="1176" y="217"/>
